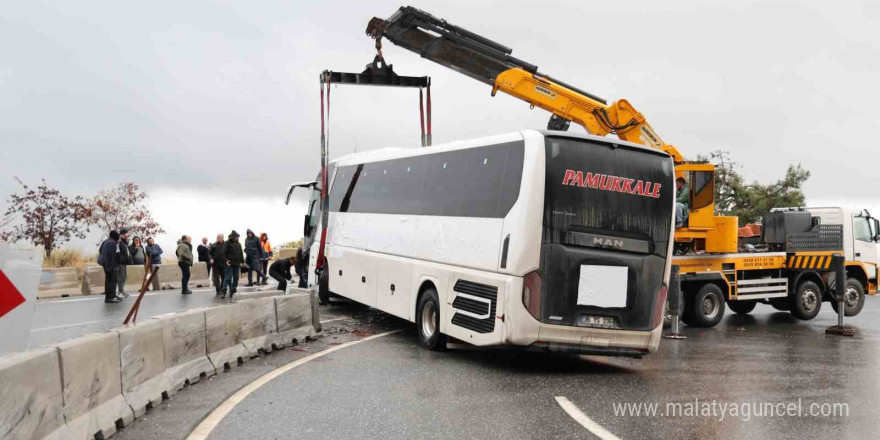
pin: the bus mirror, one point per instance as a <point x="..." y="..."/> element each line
<point x="307" y="226"/>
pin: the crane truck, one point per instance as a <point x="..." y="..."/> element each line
<point x="791" y="272"/>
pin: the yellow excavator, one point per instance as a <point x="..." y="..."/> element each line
<point x="489" y="62"/>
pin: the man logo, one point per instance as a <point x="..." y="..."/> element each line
<point x="607" y="242"/>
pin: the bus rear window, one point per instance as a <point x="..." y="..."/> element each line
<point x="595" y="189"/>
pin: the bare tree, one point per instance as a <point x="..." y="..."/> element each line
<point x="45" y="217"/>
<point x="122" y="206"/>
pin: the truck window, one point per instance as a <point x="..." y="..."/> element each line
<point x="703" y="183"/>
<point x="862" y="229"/>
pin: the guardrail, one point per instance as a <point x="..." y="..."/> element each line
<point x="88" y="386"/>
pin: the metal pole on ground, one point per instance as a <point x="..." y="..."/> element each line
<point x="675" y="301"/>
<point x="837" y="261"/>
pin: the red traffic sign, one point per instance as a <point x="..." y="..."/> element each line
<point x="10" y="297"/>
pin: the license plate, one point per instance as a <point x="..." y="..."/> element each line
<point x="602" y="286"/>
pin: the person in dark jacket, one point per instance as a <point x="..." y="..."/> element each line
<point x="218" y="261"/>
<point x="138" y="256"/>
<point x="280" y="271"/>
<point x="234" y="261"/>
<point x="184" y="261"/>
<point x="302" y="268"/>
<point x="154" y="252"/>
<point x="123" y="257"/>
<point x="107" y="259"/>
<point x="205" y="255"/>
<point x="253" y="250"/>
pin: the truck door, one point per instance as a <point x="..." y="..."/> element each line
<point x="864" y="247"/>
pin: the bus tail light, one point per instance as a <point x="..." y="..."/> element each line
<point x="659" y="305"/>
<point x="532" y="294"/>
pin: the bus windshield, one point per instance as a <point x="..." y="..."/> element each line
<point x="601" y="195"/>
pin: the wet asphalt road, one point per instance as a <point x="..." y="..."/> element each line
<point x="389" y="388"/>
<point x="64" y="318"/>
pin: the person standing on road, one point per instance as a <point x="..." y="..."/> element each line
<point x="254" y="253"/>
<point x="280" y="271"/>
<point x="138" y="256"/>
<point x="218" y="261"/>
<point x="205" y="255"/>
<point x="123" y="257"/>
<point x="184" y="260"/>
<point x="154" y="252"/>
<point x="267" y="255"/>
<point x="107" y="260"/>
<point x="234" y="261"/>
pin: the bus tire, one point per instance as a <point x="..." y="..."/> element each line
<point x="855" y="298"/>
<point x="324" y="285"/>
<point x="742" y="307"/>
<point x="807" y="300"/>
<point x="428" y="321"/>
<point x="687" y="308"/>
<point x="708" y="306"/>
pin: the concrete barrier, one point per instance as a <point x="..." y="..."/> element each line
<point x="259" y="325"/>
<point x="295" y="317"/>
<point x="59" y="282"/>
<point x="92" y="386"/>
<point x="31" y="406"/>
<point x="186" y="354"/>
<point x="169" y="274"/>
<point x="225" y="336"/>
<point x="142" y="356"/>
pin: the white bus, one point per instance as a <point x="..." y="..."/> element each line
<point x="540" y="239"/>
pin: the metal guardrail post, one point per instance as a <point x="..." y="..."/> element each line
<point x="838" y="262"/>
<point x="675" y="303"/>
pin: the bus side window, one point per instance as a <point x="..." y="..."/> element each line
<point x="702" y="188"/>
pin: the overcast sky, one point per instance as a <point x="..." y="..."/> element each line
<point x="212" y="107"/>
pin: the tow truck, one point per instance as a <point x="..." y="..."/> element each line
<point x="790" y="269"/>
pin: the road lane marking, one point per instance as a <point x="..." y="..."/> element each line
<point x="585" y="421"/>
<point x="216" y="416"/>
<point x="334" y="320"/>
<point x="78" y="324"/>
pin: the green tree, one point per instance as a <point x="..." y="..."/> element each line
<point x="750" y="201"/>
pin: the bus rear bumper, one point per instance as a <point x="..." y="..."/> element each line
<point x="583" y="340"/>
<point x="595" y="341"/>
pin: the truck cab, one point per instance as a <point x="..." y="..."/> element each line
<point x="861" y="240"/>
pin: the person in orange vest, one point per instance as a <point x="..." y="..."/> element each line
<point x="267" y="255"/>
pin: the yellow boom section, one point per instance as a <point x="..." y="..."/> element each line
<point x="597" y="118"/>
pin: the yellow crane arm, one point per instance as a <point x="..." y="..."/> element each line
<point x="489" y="62"/>
<point x="596" y="117"/>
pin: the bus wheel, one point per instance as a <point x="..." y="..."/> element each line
<point x="742" y="307"/>
<point x="708" y="306"/>
<point x="807" y="301"/>
<point x="428" y="321"/>
<point x="854" y="299"/>
<point x="324" y="285"/>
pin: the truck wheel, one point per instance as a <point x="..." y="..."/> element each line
<point x="807" y="301"/>
<point x="742" y="307"/>
<point x="854" y="299"/>
<point x="428" y="321"/>
<point x="708" y="306"/>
